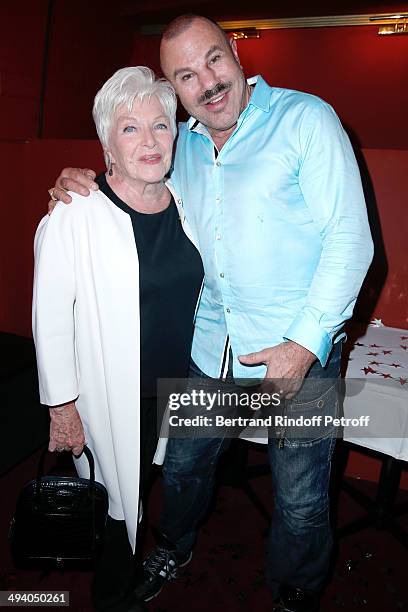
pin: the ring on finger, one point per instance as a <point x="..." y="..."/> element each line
<point x="52" y="194"/>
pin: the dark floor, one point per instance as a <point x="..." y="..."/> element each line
<point x="226" y="573"/>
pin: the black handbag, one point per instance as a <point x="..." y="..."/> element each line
<point x="59" y="518"/>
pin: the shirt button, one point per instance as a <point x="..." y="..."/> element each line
<point x="228" y="310"/>
<point x="218" y="237"/>
<point x="222" y="274"/>
<point x="218" y="164"/>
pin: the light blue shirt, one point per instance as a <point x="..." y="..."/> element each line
<point x="281" y="224"/>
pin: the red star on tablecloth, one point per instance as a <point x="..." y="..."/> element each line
<point x="395" y="365"/>
<point x="375" y="363"/>
<point x="404" y="337"/>
<point x="385" y="375"/>
<point x="387" y="352"/>
<point x="403" y="381"/>
<point x="375" y="346"/>
<point x="369" y="371"/>
<point x="359" y="343"/>
<point x="373" y="354"/>
<point x="404" y="346"/>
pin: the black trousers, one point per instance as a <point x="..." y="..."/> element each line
<point x="115" y="570"/>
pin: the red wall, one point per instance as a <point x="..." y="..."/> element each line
<point x="88" y="42"/>
<point x="385" y="293"/>
<point x="29" y="168"/>
<point x="357" y="71"/>
<point x="22" y="36"/>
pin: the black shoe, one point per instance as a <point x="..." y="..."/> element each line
<point x="160" y="566"/>
<point x="292" y="599"/>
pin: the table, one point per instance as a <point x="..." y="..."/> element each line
<point x="377" y="386"/>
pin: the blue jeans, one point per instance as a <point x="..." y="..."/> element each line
<point x="300" y="539"/>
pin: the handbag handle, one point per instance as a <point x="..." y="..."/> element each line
<point x="88" y="454"/>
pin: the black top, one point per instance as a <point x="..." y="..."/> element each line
<point x="170" y="276"/>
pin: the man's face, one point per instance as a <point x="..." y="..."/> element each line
<point x="205" y="72"/>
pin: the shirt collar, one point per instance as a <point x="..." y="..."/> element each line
<point x="260" y="98"/>
<point x="261" y="94"/>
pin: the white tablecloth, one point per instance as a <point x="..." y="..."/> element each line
<point x="377" y="386"/>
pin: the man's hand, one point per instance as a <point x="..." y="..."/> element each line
<point x="287" y="365"/>
<point x="72" y="179"/>
<point x="66" y="431"/>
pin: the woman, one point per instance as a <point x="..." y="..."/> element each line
<point x="115" y="289"/>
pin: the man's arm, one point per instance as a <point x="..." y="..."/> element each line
<point x="78" y="180"/>
<point x="330" y="182"/>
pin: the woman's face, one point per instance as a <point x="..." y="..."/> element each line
<point x="141" y="142"/>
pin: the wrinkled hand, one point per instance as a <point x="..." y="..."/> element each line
<point x="287" y="365"/>
<point x="78" y="180"/>
<point x="66" y="431"/>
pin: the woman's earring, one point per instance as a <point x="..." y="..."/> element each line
<point x="110" y="169"/>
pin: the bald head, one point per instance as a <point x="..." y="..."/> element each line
<point x="183" y="22"/>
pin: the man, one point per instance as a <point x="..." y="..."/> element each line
<point x="271" y="190"/>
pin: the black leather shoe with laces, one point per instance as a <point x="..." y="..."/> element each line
<point x="160" y="566"/>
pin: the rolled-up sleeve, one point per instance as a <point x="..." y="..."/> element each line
<point x="53" y="308"/>
<point x="330" y="182"/>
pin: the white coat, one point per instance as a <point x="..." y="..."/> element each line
<point x="87" y="336"/>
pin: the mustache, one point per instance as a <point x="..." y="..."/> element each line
<point x="212" y="93"/>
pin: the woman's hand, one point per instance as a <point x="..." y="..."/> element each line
<point x="66" y="431"/>
<point x="78" y="180"/>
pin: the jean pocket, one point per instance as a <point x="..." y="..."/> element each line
<point x="312" y="420"/>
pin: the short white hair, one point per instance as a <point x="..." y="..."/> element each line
<point x="125" y="87"/>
